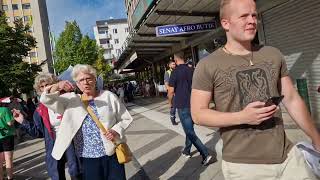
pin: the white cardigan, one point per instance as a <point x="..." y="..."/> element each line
<point x="113" y="115"/>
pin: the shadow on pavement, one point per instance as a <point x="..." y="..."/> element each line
<point x="188" y="171"/>
<point x="141" y="174"/>
<point x="162" y="164"/>
<point x="17" y="177"/>
<point x="211" y="144"/>
<point x="31" y="167"/>
<point x="30" y="158"/>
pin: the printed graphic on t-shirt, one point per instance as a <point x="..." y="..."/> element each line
<point x="253" y="85"/>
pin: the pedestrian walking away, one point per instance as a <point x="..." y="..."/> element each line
<point x="46" y="124"/>
<point x="180" y="85"/>
<point x="240" y="78"/>
<point x="172" y="66"/>
<point x="95" y="148"/>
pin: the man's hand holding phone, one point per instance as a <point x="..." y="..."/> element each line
<point x="275" y="100"/>
<point x="256" y="112"/>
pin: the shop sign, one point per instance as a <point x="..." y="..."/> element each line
<point x="176" y="29"/>
<point x="141" y="9"/>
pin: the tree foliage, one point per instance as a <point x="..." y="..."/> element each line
<point x="73" y="48"/>
<point x="15" y="43"/>
<point x="102" y="67"/>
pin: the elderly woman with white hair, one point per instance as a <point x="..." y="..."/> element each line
<point x="46" y="124"/>
<point x="96" y="149"/>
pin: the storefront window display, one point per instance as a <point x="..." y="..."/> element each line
<point x="207" y="48"/>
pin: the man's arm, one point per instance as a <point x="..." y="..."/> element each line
<point x="298" y="110"/>
<point x="171" y="82"/>
<point x="166" y="79"/>
<point x="170" y="95"/>
<point x="254" y="113"/>
<point x="167" y="85"/>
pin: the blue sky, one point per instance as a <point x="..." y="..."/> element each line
<point x="85" y="12"/>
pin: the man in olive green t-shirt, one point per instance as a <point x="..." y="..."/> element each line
<point x="240" y="78"/>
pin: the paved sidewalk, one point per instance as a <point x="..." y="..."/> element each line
<point x="159" y="150"/>
<point x="156" y="145"/>
<point x="164" y="156"/>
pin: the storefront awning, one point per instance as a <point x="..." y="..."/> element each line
<point x="151" y="48"/>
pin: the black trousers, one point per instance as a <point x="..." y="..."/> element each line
<point x="103" y="168"/>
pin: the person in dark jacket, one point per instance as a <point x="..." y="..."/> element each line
<point x="45" y="125"/>
<point x="31" y="107"/>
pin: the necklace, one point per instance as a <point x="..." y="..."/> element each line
<point x="250" y="60"/>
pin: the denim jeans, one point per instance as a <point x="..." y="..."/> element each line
<point x="173" y="112"/>
<point x="191" y="137"/>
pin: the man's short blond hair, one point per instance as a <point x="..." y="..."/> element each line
<point x="223" y="7"/>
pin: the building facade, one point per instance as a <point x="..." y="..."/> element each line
<point x="130" y="7"/>
<point x="34" y="13"/>
<point x="110" y="35"/>
<point x="289" y="25"/>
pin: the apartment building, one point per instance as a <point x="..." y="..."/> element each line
<point x="130" y="7"/>
<point x="34" y="13"/>
<point x="110" y="35"/>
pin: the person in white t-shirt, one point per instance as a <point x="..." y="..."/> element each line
<point x="120" y="92"/>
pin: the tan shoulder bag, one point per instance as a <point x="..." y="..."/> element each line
<point x="123" y="152"/>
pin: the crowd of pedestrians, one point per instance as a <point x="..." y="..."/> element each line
<point x="125" y="91"/>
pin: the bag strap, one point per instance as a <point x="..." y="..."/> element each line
<point x="93" y="115"/>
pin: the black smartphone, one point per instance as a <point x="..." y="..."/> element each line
<point x="274" y="100"/>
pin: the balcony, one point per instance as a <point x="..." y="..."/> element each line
<point x="105" y="36"/>
<point x="106" y="46"/>
<point x="108" y="56"/>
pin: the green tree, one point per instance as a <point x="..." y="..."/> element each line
<point x="102" y="67"/>
<point x="73" y="48"/>
<point x="15" y="43"/>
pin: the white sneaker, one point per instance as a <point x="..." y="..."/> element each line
<point x="206" y="161"/>
<point x="186" y="155"/>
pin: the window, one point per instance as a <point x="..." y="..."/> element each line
<point x="103" y="41"/>
<point x="8" y="19"/>
<point x="126" y="30"/>
<point x="115" y="31"/>
<point x="5" y="7"/>
<point x="33" y="54"/>
<point x="26" y="6"/>
<point x="16" y="18"/>
<point x="116" y="41"/>
<point x="27" y="18"/>
<point x="118" y="51"/>
<point x="15" y="6"/>
<point x="102" y="32"/>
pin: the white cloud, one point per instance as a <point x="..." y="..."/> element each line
<point x="85" y="12"/>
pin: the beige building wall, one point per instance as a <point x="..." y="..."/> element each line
<point x="34" y="13"/>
